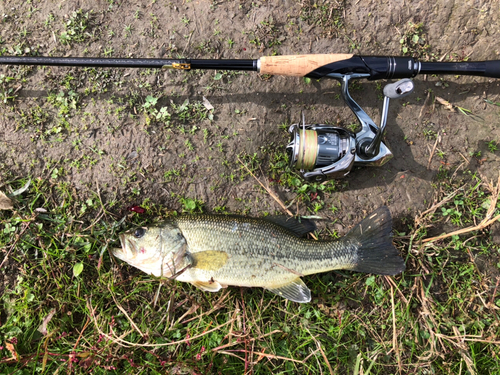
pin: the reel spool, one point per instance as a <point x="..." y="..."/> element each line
<point x="321" y="151"/>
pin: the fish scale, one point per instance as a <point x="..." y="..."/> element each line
<point x="215" y="251"/>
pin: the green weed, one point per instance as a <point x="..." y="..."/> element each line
<point x="77" y="27"/>
<point x="413" y="42"/>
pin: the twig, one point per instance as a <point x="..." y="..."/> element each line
<point x="425" y="104"/>
<point x="267" y="189"/>
<point x="438" y="138"/>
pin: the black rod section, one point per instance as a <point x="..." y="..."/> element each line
<point x="379" y="67"/>
<point x="475" y="68"/>
<point x="130" y="63"/>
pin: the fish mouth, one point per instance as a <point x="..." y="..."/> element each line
<point x="125" y="252"/>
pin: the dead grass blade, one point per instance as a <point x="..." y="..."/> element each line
<point x="438" y="140"/>
<point x="270" y="192"/>
<point x="424" y="107"/>
<point x="127" y="344"/>
<point x="271" y="356"/>
<point x="395" y="344"/>
<point x="435" y="206"/>
<point x="125" y="313"/>
<point x="218" y="304"/>
<point x="426" y="316"/>
<point x="318" y="344"/>
<point x="446" y="104"/>
<point x="487" y="221"/>
<point x="249" y="340"/>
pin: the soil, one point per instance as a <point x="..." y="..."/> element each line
<point x="105" y="142"/>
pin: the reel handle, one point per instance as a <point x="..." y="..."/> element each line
<point x="396" y="90"/>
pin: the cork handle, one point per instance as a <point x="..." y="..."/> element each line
<point x="299" y="65"/>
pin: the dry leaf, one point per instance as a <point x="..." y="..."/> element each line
<point x="207" y="104"/>
<point x="12" y="350"/>
<point x="43" y="327"/>
<point x="5" y="202"/>
<point x="446" y="103"/>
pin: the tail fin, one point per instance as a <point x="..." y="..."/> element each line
<point x="376" y="253"/>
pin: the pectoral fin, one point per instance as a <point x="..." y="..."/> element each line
<point x="210" y="260"/>
<point x="208" y="286"/>
<point x="295" y="291"/>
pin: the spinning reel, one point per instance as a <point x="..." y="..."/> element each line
<point x="321" y="151"/>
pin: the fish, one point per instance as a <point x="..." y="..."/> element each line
<point x="216" y="251"/>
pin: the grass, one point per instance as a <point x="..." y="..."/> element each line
<point x="326" y="15"/>
<point x="67" y="306"/>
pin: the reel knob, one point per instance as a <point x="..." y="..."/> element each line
<point x="399" y="89"/>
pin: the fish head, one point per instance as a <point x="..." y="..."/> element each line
<point x="159" y="251"/>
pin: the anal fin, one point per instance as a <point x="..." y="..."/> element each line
<point x="295" y="291"/>
<point x="208" y="286"/>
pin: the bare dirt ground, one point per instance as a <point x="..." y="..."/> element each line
<point x="143" y="137"/>
<point x="90" y="127"/>
<point x="103" y="138"/>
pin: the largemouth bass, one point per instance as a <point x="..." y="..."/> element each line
<point x="214" y="251"/>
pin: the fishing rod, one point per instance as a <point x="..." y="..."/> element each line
<point x="318" y="151"/>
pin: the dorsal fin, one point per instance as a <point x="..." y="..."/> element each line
<point x="299" y="228"/>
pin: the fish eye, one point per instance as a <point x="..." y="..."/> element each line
<point x="139" y="232"/>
